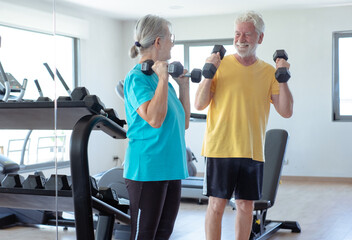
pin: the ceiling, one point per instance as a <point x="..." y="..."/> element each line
<point x="134" y="9"/>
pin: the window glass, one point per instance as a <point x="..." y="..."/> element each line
<point x="177" y="54"/>
<point x="345" y="75"/>
<point x="193" y="55"/>
<point x="197" y="56"/>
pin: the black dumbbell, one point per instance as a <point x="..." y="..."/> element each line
<point x="94" y="104"/>
<point x="209" y="69"/>
<point x="175" y="69"/>
<point x="282" y="74"/>
<point x="12" y="180"/>
<point x="43" y="99"/>
<point x="146" y="67"/>
<point x="39" y="173"/>
<point x="112" y="115"/>
<point x="79" y="93"/>
<point x="64" y="99"/>
<point x="63" y="182"/>
<point x="109" y="196"/>
<point x="34" y="182"/>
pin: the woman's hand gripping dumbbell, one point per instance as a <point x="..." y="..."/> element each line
<point x="175" y="69"/>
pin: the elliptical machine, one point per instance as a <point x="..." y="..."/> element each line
<point x="9" y="84"/>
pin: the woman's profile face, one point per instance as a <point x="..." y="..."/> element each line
<point x="166" y="43"/>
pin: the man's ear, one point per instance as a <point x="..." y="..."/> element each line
<point x="260" y="40"/>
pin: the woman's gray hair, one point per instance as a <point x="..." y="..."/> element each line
<point x="254" y="18"/>
<point x="148" y="28"/>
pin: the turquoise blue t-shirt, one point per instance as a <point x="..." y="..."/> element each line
<point x="153" y="154"/>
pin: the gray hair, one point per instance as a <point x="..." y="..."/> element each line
<point x="254" y="18"/>
<point x="148" y="28"/>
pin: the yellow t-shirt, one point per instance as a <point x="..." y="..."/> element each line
<point x="239" y="110"/>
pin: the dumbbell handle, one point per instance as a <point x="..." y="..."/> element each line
<point x="195" y="75"/>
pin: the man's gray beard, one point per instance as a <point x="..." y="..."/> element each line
<point x="249" y="53"/>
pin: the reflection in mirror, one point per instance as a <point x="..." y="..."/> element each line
<point x="23" y="54"/>
<point x="34" y="32"/>
<point x="27" y="41"/>
<point x="33" y="149"/>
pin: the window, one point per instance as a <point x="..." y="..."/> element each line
<point x="342" y="76"/>
<point x="194" y="55"/>
<point x="22" y="55"/>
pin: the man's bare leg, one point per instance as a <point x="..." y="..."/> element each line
<point x="213" y="218"/>
<point x="244" y="218"/>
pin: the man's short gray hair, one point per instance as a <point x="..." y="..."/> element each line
<point x="254" y="18"/>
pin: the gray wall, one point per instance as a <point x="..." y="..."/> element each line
<point x="317" y="146"/>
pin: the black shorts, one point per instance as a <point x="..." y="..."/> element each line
<point x="242" y="177"/>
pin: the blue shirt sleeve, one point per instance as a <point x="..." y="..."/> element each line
<point x="138" y="89"/>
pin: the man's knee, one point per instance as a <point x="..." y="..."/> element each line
<point x="245" y="206"/>
<point x="217" y="205"/>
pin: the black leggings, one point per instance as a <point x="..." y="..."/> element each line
<point x="154" y="207"/>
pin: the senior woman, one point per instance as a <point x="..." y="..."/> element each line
<point x="155" y="159"/>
